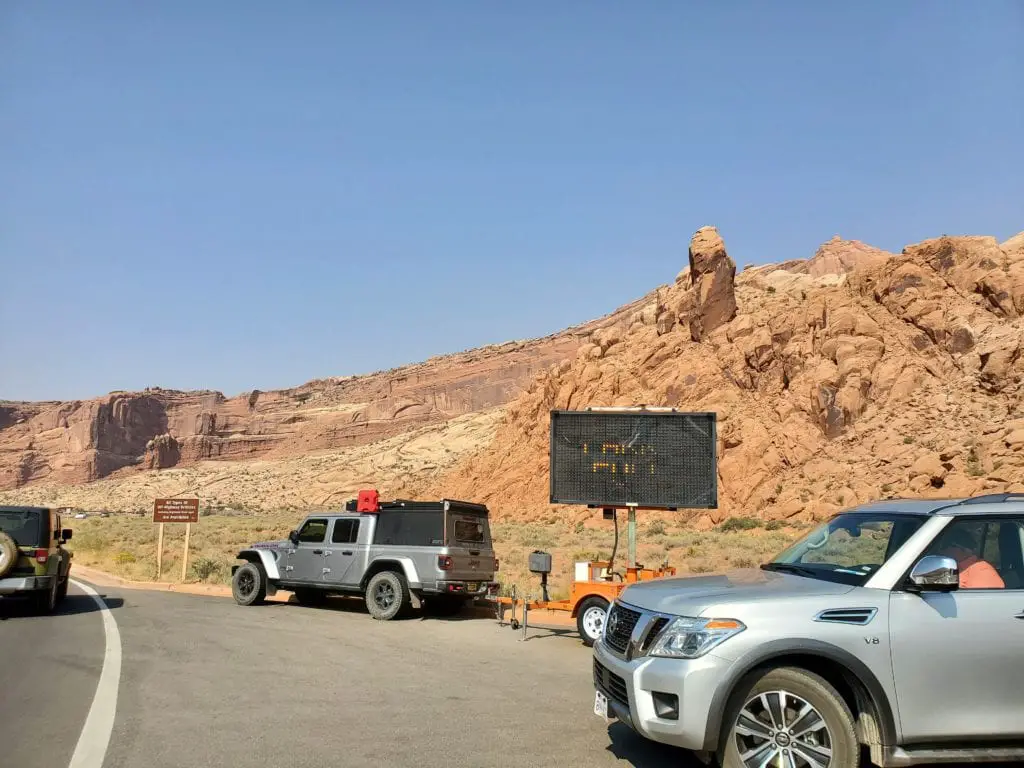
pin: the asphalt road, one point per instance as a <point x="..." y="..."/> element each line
<point x="205" y="682"/>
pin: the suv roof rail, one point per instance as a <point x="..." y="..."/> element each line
<point x="994" y="498"/>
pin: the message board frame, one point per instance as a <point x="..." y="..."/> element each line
<point x="700" y="427"/>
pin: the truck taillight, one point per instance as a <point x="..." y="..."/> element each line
<point x="495" y="564"/>
<point x="444" y="562"/>
<point x="42" y="555"/>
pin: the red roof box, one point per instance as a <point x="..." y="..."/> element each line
<point x="368" y="501"/>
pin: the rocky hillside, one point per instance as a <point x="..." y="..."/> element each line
<point x="62" y="444"/>
<point x="853" y="375"/>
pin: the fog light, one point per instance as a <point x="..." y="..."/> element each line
<point x="666" y="705"/>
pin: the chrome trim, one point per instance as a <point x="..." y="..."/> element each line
<point x="870" y="615"/>
<point x="641" y="630"/>
<point x="936" y="570"/>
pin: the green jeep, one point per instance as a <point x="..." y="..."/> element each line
<point x="33" y="560"/>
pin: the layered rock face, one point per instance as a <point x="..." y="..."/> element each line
<point x="891" y="374"/>
<point x="81" y="441"/>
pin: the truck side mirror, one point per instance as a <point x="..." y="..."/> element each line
<point x="293" y="537"/>
<point x="66" y="534"/>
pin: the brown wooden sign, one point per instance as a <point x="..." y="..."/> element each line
<point x="176" y="511"/>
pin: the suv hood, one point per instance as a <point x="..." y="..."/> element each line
<point x="691" y="595"/>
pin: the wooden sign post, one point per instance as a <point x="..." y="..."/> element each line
<point x="174" y="511"/>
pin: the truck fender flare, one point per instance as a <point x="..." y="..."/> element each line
<point x="781" y="649"/>
<point x="407" y="565"/>
<point x="265" y="558"/>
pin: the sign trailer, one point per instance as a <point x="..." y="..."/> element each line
<point x="622" y="458"/>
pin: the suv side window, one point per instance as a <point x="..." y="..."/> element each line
<point x="988" y="552"/>
<point x="345" y="532"/>
<point x="313" y="531"/>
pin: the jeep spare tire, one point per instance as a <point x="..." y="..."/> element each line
<point x="8" y="553"/>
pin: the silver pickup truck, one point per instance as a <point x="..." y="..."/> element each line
<point x="396" y="555"/>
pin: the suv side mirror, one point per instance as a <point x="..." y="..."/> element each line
<point x="936" y="573"/>
<point x="293" y="537"/>
<point x="65" y="534"/>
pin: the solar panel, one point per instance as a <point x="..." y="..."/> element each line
<point x="619" y="458"/>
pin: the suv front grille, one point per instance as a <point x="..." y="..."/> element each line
<point x="610" y="684"/>
<point x="624" y="622"/>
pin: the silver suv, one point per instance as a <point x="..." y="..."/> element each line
<point x="393" y="554"/>
<point x="897" y="625"/>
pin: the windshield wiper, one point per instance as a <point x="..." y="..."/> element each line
<point x="802" y="570"/>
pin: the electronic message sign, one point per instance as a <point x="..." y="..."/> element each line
<point x="657" y="459"/>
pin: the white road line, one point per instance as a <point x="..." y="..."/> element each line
<point x="92" y="743"/>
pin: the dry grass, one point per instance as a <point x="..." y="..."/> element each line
<point x="126" y="545"/>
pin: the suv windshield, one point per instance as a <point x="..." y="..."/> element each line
<point x="848" y="548"/>
<point x="25" y="526"/>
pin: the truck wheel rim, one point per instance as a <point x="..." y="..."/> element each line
<point x="593" y="621"/>
<point x="780" y="728"/>
<point x="384" y="595"/>
<point x="246" y="584"/>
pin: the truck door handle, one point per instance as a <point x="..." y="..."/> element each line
<point x="474" y="552"/>
<point x="1019" y="615"/>
<point x="347" y="552"/>
<point x="318" y="551"/>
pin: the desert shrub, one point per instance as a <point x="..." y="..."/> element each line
<point x="656" y="528"/>
<point x="205" y="567"/>
<point x="774" y="525"/>
<point x="739" y="524"/>
<point x="124" y="559"/>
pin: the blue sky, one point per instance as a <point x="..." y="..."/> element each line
<point x="236" y="195"/>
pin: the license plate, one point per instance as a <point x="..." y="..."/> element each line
<point x="473" y="586"/>
<point x="600" y="705"/>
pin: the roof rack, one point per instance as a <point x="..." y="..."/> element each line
<point x="994" y="498"/>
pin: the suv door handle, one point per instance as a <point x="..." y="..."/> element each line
<point x="318" y="551"/>
<point x="349" y="552"/>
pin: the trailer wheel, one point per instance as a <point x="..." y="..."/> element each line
<point x="590" y="619"/>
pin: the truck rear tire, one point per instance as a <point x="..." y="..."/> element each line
<point x="249" y="584"/>
<point x="816" y="723"/>
<point x="590" y="619"/>
<point x="387" y="595"/>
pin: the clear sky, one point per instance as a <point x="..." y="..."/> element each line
<point x="229" y="195"/>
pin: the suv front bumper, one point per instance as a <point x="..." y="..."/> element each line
<point x="630" y="687"/>
<point x="12" y="586"/>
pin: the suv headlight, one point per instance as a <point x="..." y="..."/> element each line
<point x="689" y="637"/>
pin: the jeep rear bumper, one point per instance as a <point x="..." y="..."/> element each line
<point x="463" y="588"/>
<point x="14" y="585"/>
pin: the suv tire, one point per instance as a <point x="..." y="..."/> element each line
<point x="249" y="584"/>
<point x="590" y="619"/>
<point x="46" y="599"/>
<point x="806" y="695"/>
<point x="387" y="595"/>
<point x="62" y="590"/>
